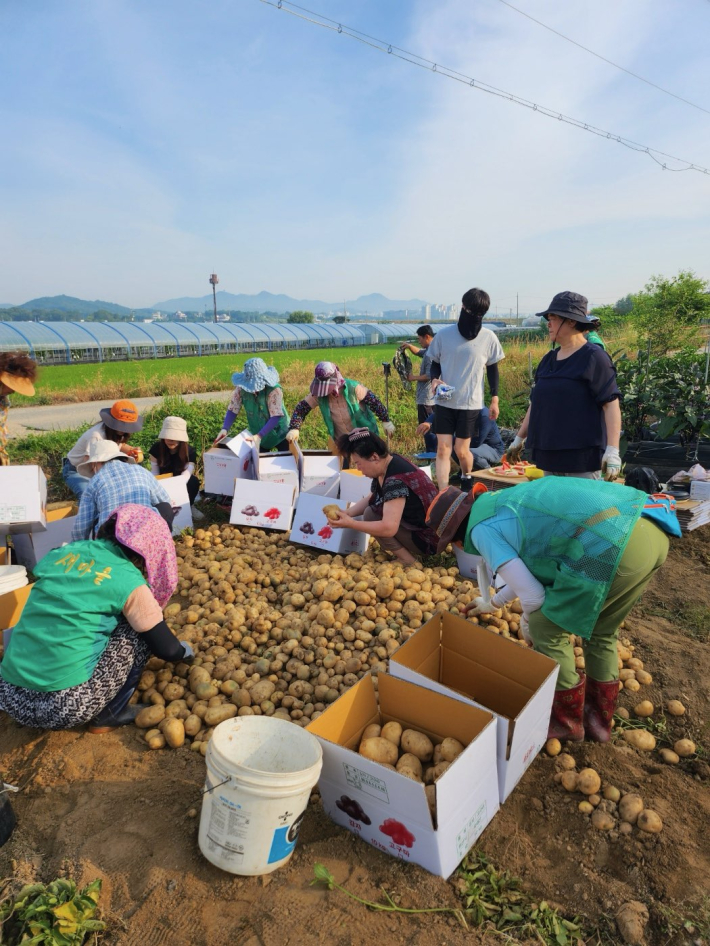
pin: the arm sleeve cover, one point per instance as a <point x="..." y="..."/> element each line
<point x="435" y="370"/>
<point x="519" y="583"/>
<point x="163" y="643"/>
<point x="300" y="412"/>
<point x="376" y="406"/>
<point x="492" y="375"/>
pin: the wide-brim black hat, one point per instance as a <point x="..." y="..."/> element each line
<point x="568" y="305"/>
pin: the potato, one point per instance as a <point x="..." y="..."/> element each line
<point x="611" y="793"/>
<point x="644" y="708"/>
<point x="675" y="708"/>
<point x="218" y="714"/>
<point x="643" y="677"/>
<point x="594" y="800"/>
<point x="670" y="757"/>
<point x="393" y="733"/>
<point x="435" y="771"/>
<point x="418" y="744"/>
<point x="205" y="691"/>
<point x="193" y="724"/>
<point x="632" y="685"/>
<point x="569" y="781"/>
<point x="451" y="749"/>
<point x="151" y="733"/>
<point x="623" y="712"/>
<point x="585" y="808"/>
<point x="173" y="691"/>
<point x="602" y="820"/>
<point x="374" y="729"/>
<point x="684" y="748"/>
<point x="553" y="747"/>
<point x="331" y="511"/>
<point x="588" y="782"/>
<point x="430" y="792"/>
<point x="566" y="762"/>
<point x="640" y="739"/>
<point x="379" y="750"/>
<point x="409" y="761"/>
<point x="150" y="717"/>
<point x="630" y="807"/>
<point x="174" y="732"/>
<point x="649" y="821"/>
<point x="157" y="742"/>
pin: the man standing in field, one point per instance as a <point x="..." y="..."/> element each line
<point x="460" y="356"/>
<point x="425" y="396"/>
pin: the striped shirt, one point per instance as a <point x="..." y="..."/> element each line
<point x="116" y="484"/>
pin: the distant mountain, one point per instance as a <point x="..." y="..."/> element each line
<point x="270" y="302"/>
<point x="6" y="305"/>
<point x="72" y="304"/>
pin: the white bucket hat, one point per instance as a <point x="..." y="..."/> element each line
<point x="101" y="451"/>
<point x="174" y="428"/>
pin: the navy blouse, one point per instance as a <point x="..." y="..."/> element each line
<point x="567" y="432"/>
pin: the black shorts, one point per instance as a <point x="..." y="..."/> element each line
<point x="462" y="424"/>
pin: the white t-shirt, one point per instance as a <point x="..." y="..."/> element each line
<point x="80" y="451"/>
<point x="463" y="364"/>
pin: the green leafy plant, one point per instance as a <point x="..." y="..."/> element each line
<point x="57" y="914"/>
<point x="323" y="876"/>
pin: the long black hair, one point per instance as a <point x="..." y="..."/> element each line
<point x="165" y="455"/>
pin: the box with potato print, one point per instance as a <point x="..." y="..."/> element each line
<point x="452" y="656"/>
<point x="262" y="505"/>
<point x="311" y="527"/>
<point x="391" y="810"/>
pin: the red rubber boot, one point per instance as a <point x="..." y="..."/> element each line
<point x="566" y="720"/>
<point x="599" y="706"/>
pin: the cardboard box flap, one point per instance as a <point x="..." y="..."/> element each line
<point x="348" y="717"/>
<point x="64" y="511"/>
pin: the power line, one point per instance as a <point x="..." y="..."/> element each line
<point x="604" y="59"/>
<point x="423" y="63"/>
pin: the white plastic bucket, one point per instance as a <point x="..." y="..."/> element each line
<point x="260" y="772"/>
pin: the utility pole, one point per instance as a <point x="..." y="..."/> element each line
<point x="517" y="314"/>
<point x="214" y="279"/>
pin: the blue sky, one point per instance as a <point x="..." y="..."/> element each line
<point x="146" y="144"/>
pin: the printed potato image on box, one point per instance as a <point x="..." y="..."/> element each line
<point x="262" y="505"/>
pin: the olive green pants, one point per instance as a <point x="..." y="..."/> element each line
<point x="645" y="552"/>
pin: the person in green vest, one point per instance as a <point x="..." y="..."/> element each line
<point x="593" y="336"/>
<point x="344" y="404"/>
<point x="92" y="619"/>
<point x="258" y="391"/>
<point x="578" y="554"/>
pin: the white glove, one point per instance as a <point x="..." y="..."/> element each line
<point x="220" y="437"/>
<point x="256" y="442"/>
<point x="513" y="452"/>
<point x="611" y="464"/>
<point x="388" y="427"/>
<point x="481" y="606"/>
<point x="525" y="628"/>
<point x="292" y="435"/>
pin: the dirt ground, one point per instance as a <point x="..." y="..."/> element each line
<point x="104" y="806"/>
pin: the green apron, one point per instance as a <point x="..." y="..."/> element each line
<point x="257" y="411"/>
<point x="359" y="416"/>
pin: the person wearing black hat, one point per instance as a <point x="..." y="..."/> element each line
<point x="573" y="422"/>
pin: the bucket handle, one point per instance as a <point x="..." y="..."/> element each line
<point x="212" y="787"/>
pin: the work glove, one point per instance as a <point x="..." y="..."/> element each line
<point x="611" y="464"/>
<point x="220" y="437"/>
<point x="189" y="652"/>
<point x="292" y="435"/>
<point x="481" y="606"/>
<point x="388" y="427"/>
<point x="525" y="628"/>
<point x="512" y="454"/>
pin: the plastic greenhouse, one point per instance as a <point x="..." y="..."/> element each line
<point x="54" y="343"/>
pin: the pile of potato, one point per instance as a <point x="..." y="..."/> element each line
<point x="609" y="808"/>
<point x="411" y="753"/>
<point x="282" y="632"/>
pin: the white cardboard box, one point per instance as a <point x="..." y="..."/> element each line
<point x="311" y="527"/>
<point x="241" y="447"/>
<point x="253" y="500"/>
<point x="23" y="499"/>
<point x="30" y="549"/>
<point x="278" y="468"/>
<point x="453" y="656"/>
<point x="222" y="468"/>
<point x="318" y="472"/>
<point x="176" y="488"/>
<point x="354" y="486"/>
<point x="700" y="489"/>
<point x="395" y="817"/>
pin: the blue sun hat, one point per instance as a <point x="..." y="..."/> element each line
<point x="256" y="376"/>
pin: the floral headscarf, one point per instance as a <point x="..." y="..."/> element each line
<point x="146" y="532"/>
<point x="327" y="380"/>
<point x="256" y="376"/>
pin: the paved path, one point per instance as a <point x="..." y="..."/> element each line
<point x="28" y="420"/>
